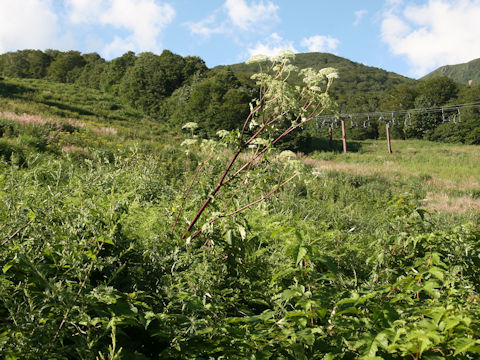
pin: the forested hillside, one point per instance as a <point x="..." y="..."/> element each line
<point x="355" y="77"/>
<point x="467" y="73"/>
<point x="173" y="90"/>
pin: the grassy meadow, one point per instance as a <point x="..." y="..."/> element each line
<point x="449" y="172"/>
<point x="364" y="255"/>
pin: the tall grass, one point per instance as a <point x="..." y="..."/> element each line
<point x="346" y="264"/>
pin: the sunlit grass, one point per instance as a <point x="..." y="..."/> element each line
<point x="446" y="165"/>
<point x="449" y="173"/>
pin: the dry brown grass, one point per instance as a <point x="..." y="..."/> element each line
<point x="387" y="167"/>
<point x="38" y="119"/>
<point x="41" y="120"/>
<point x="444" y="203"/>
<point x="468" y="183"/>
<point x="104" y="131"/>
<point x="75" y="149"/>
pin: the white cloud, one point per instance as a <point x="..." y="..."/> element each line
<point x="272" y="46"/>
<point x="437" y="33"/>
<point x="207" y="26"/>
<point x="144" y="21"/>
<point x="247" y="16"/>
<point x="394" y="3"/>
<point x="237" y="15"/>
<point x="84" y="11"/>
<point x="320" y="43"/>
<point x="359" y="16"/>
<point x="28" y="24"/>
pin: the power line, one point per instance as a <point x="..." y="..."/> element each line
<point x="449" y="113"/>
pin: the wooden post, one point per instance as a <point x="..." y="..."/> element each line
<point x="330" y="136"/>
<point x="389" y="144"/>
<point x="344" y="137"/>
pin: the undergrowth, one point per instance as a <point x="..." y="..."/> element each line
<point x="339" y="267"/>
<point x="336" y="265"/>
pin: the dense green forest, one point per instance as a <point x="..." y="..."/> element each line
<point x="130" y="228"/>
<point x="175" y="90"/>
<point x="461" y="73"/>
<point x="356" y="78"/>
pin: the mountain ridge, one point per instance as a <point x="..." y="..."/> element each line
<point x="353" y="76"/>
<point x="461" y="73"/>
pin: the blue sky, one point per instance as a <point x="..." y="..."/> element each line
<point x="411" y="37"/>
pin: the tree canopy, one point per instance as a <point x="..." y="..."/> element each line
<point x="176" y="90"/>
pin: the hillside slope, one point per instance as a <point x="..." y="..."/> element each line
<point x="461" y="73"/>
<point x="354" y="77"/>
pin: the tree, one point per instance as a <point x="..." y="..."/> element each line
<point x="114" y="71"/>
<point x="153" y="78"/>
<point x="66" y="67"/>
<point x="432" y="93"/>
<point x="25" y="64"/>
<point x="38" y="63"/>
<point x="466" y="128"/>
<point x="92" y="71"/>
<point x="423" y="122"/>
<point x="401" y="97"/>
<point x="193" y="65"/>
<point x="143" y="85"/>
<point x="438" y="91"/>
<point x="173" y="68"/>
<point x="14" y="64"/>
<point x="216" y="102"/>
<point x="52" y="53"/>
<point x="232" y="111"/>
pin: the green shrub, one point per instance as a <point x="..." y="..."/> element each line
<point x="11" y="152"/>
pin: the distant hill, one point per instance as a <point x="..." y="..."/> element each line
<point x="354" y="77"/>
<point x="461" y="73"/>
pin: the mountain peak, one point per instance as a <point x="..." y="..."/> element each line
<point x="353" y="76"/>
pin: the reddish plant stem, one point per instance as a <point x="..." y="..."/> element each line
<point x="270" y="121"/>
<point x="256" y="109"/>
<point x="244" y="182"/>
<point x="269" y="195"/>
<point x="250" y="116"/>
<point x="212" y="194"/>
<point x="285" y="133"/>
<point x="222" y="181"/>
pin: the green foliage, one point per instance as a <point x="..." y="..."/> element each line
<point x="362" y="89"/>
<point x="66" y="67"/>
<point x="355" y="77"/>
<point x="153" y="78"/>
<point x="25" y="64"/>
<point x="92" y="71"/>
<point x="215" y="102"/>
<point x="89" y="266"/>
<point x="438" y="91"/>
<point x="467" y="131"/>
<point x="467" y="122"/>
<point x="338" y="264"/>
<point x="460" y="73"/>
<point x="401" y="97"/>
<point x="423" y="123"/>
<point x="115" y="70"/>
<point x="176" y="90"/>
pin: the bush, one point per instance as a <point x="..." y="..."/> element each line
<point x="12" y="153"/>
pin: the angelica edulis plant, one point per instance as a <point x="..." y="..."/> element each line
<point x="280" y="109"/>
